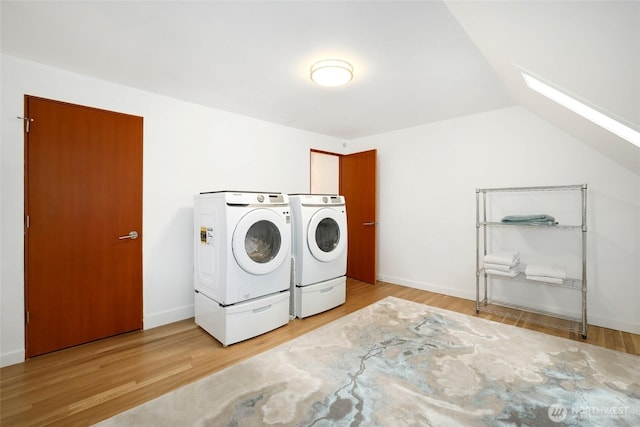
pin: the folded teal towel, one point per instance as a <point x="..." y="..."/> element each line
<point x="541" y="219"/>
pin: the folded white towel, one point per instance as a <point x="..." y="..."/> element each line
<point x="546" y="279"/>
<point x="512" y="273"/>
<point x="501" y="267"/>
<point x="553" y="271"/>
<point x="504" y="258"/>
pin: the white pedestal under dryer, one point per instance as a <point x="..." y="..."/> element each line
<point x="242" y="267"/>
<point x="319" y="253"/>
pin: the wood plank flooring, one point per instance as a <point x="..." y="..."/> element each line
<point x="86" y="384"/>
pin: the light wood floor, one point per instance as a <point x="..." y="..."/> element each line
<point x="89" y="383"/>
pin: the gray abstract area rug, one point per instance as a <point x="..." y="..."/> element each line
<point x="400" y="363"/>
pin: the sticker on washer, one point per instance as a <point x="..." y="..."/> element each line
<point x="206" y="235"/>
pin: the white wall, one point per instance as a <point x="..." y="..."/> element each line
<point x="325" y="173"/>
<point x="187" y="149"/>
<point x="427" y="181"/>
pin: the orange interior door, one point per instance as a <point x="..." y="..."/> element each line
<point x="83" y="192"/>
<point x="358" y="183"/>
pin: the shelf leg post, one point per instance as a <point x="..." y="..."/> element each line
<point x="477" y="251"/>
<point x="584" y="261"/>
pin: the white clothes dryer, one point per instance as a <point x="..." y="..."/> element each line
<point x="242" y="263"/>
<point x="319" y="253"/>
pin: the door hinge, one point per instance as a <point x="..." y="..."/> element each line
<point x="28" y="120"/>
<point x="27" y="222"/>
<point x="27" y="317"/>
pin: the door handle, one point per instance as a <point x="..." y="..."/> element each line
<point x="369" y="223"/>
<point x="132" y="235"/>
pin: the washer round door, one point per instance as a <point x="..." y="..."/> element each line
<point x="327" y="234"/>
<point x="261" y="241"/>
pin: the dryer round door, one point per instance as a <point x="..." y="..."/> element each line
<point x="327" y="234"/>
<point x="261" y="241"/>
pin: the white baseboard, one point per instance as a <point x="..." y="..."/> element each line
<point x="470" y="295"/>
<point x="428" y="287"/>
<point x="613" y="324"/>
<point x="165" y="317"/>
<point x="11" y="358"/>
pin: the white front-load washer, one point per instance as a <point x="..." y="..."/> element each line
<point x="242" y="263"/>
<point x="319" y="252"/>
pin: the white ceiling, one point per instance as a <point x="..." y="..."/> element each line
<point x="415" y="62"/>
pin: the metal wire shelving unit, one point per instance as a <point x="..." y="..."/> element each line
<point x="576" y="324"/>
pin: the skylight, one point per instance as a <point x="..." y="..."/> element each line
<point x="585" y="111"/>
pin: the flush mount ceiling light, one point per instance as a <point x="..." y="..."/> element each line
<point x="582" y="109"/>
<point x="331" y="72"/>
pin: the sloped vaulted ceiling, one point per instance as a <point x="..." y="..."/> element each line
<point x="587" y="49"/>
<point x="415" y="62"/>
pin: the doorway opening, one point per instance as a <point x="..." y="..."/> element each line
<point x="355" y="177"/>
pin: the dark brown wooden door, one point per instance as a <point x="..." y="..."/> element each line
<point x="358" y="184"/>
<point x="83" y="191"/>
